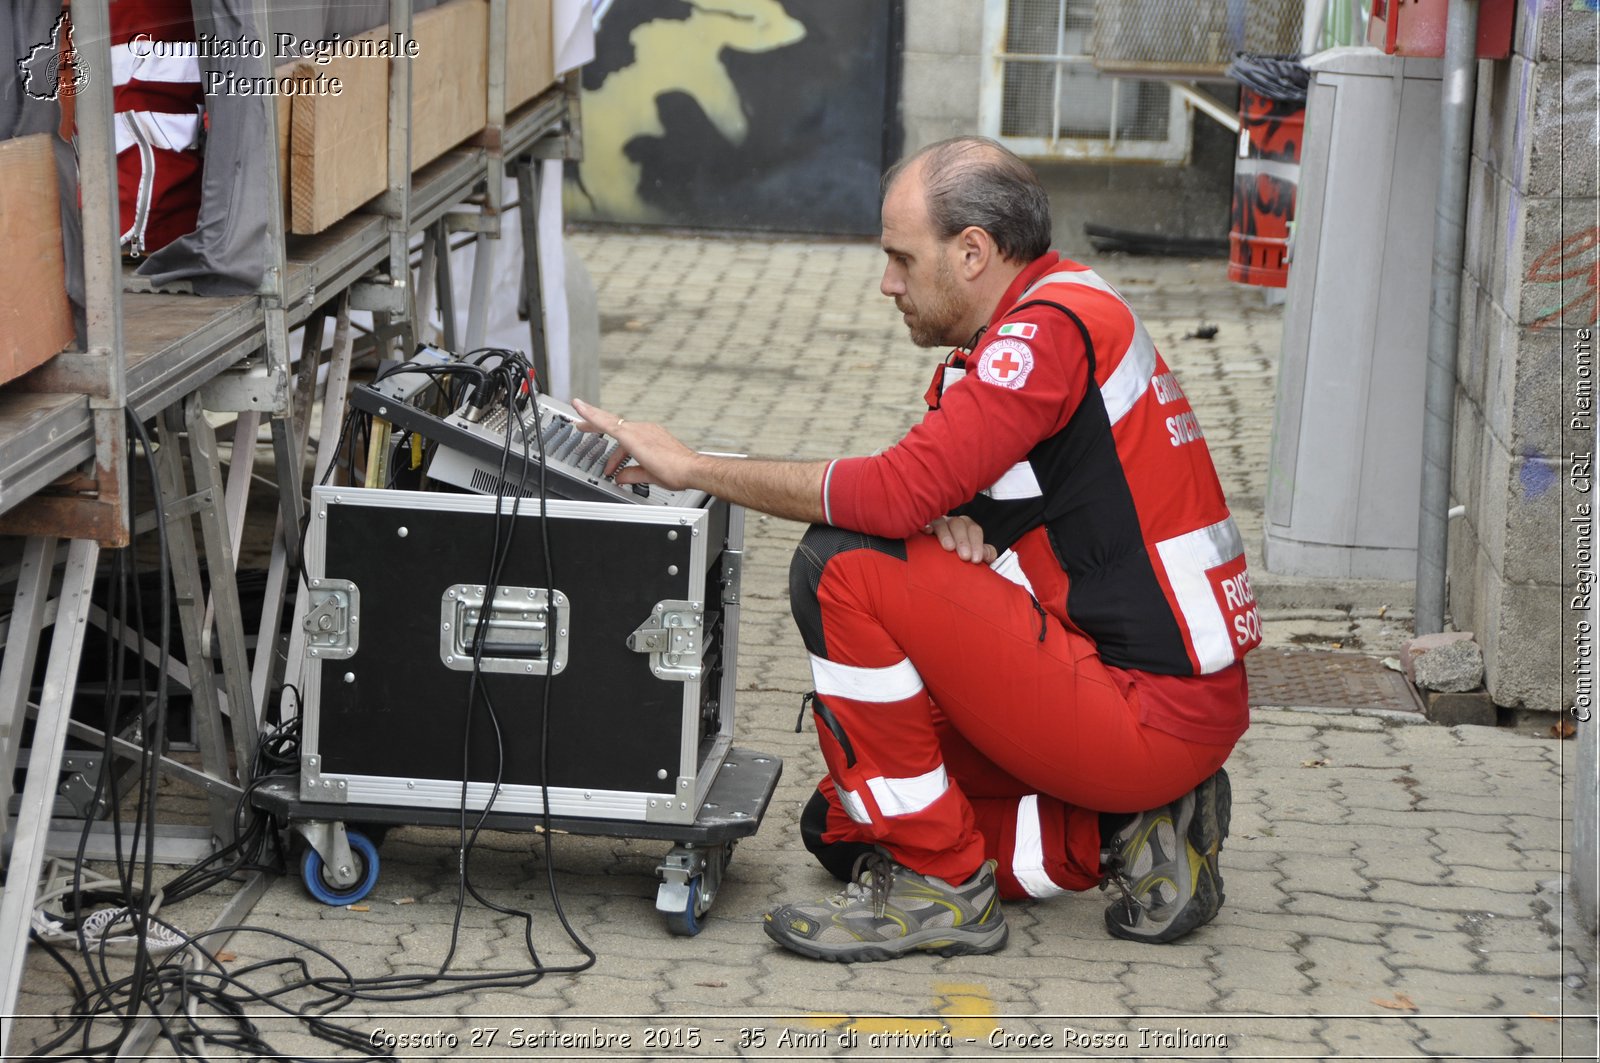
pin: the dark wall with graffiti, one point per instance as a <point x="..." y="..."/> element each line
<point x="739" y="114"/>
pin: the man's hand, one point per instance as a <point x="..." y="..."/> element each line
<point x="962" y="535"/>
<point x="788" y="489"/>
<point x="662" y="458"/>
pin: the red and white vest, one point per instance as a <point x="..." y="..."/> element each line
<point x="1116" y="521"/>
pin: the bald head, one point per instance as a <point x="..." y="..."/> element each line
<point x="974" y="181"/>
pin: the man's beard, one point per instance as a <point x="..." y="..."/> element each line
<point x="938" y="314"/>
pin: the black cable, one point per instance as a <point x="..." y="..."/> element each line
<point x="168" y="979"/>
<point x="137" y="913"/>
<point x="227" y="993"/>
<point x="80" y="993"/>
<point x="445" y="369"/>
<point x="512" y="392"/>
<point x="526" y="374"/>
<point x="212" y="1003"/>
<point x="476" y="688"/>
<point x="509" y="376"/>
<point x="157" y="739"/>
<point x="136" y="902"/>
<point x="100" y="977"/>
<point x="590" y="957"/>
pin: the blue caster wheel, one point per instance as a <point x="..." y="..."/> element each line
<point x="686" y="922"/>
<point x="319" y="882"/>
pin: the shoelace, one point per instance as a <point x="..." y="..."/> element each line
<point x="872" y="877"/>
<point x="1114" y="877"/>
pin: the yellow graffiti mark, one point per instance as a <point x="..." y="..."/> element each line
<point x="969" y="1010"/>
<point x="670" y="56"/>
<point x="960" y="1009"/>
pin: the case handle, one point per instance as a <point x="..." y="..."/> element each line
<point x="526" y="629"/>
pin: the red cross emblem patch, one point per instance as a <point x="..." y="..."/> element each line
<point x="1005" y="363"/>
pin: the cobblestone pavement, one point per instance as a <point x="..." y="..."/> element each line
<point x="1393" y="888"/>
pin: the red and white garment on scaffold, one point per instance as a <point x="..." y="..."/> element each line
<point x="967" y="711"/>
<point x="159" y="102"/>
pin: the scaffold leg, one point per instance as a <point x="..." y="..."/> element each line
<point x="38" y="791"/>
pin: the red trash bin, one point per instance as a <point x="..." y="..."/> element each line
<point x="1266" y="175"/>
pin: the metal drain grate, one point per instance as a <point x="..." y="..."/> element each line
<point x="1325" y="679"/>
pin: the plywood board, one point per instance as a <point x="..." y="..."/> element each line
<point x="449" y="77"/>
<point x="338" y="155"/>
<point x="530" y="51"/>
<point x="35" y="317"/>
<point x="339" y="144"/>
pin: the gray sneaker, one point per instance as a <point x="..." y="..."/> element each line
<point x="890" y="910"/>
<point x="1164" y="863"/>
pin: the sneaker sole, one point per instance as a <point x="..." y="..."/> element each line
<point x="937" y="942"/>
<point x="1207" y="829"/>
<point x="1208" y="837"/>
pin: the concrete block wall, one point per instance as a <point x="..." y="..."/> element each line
<point x="940" y="68"/>
<point x="1528" y="303"/>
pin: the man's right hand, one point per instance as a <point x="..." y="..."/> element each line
<point x="662" y="458"/>
<point x="962" y="536"/>
<point x="788" y="489"/>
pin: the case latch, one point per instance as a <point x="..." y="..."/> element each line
<point x="673" y="637"/>
<point x="525" y="629"/>
<point x="332" y="619"/>
<point x="732" y="575"/>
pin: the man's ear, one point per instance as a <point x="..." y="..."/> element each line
<point x="977" y="251"/>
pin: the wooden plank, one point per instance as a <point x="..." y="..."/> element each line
<point x="449" y="77"/>
<point x="35" y="318"/>
<point x="68" y="517"/>
<point x="338" y="144"/>
<point x="174" y="334"/>
<point x="530" y="51"/>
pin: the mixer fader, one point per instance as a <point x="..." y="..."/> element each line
<point x="551" y="427"/>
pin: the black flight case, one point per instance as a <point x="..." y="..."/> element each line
<point x="628" y="637"/>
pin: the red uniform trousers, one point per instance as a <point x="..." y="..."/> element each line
<point x="960" y="722"/>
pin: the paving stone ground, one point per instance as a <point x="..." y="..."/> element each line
<point x="1394" y="890"/>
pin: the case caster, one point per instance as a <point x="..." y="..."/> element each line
<point x="690" y="878"/>
<point x="684" y="921"/>
<point x="340" y="866"/>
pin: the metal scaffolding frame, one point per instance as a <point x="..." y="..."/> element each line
<point x="172" y="359"/>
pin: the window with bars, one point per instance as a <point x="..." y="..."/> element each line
<point x="1042" y="96"/>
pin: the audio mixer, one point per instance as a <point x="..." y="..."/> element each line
<point x="472" y="454"/>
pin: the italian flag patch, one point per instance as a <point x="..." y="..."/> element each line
<point x="1020" y="329"/>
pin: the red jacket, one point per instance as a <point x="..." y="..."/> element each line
<point x="1066" y="437"/>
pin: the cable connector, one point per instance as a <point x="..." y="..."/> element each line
<point x="481" y="399"/>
